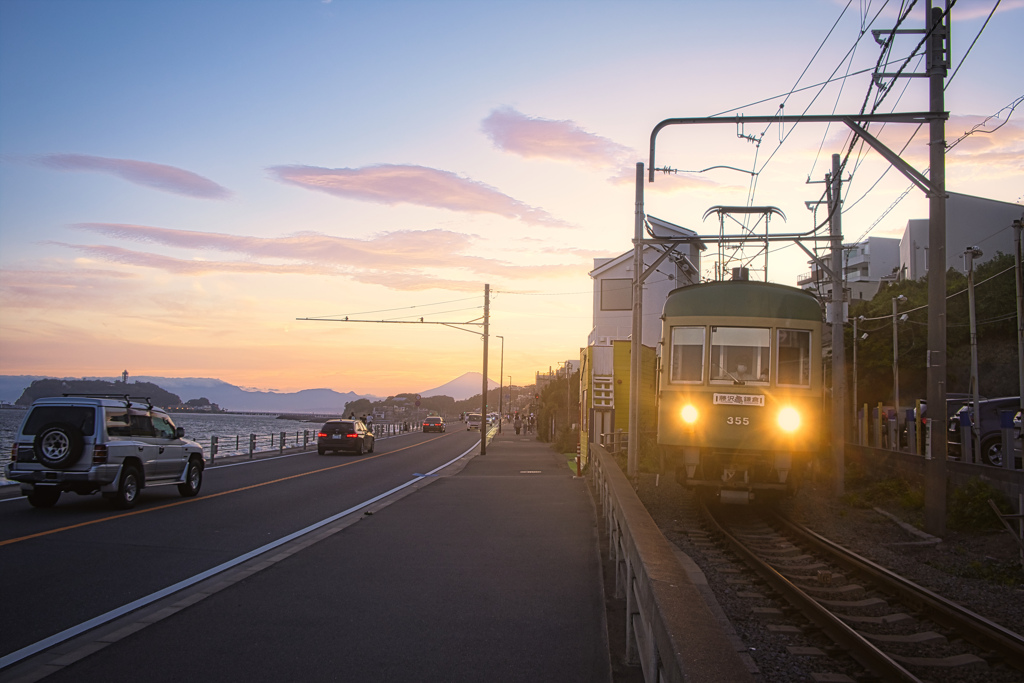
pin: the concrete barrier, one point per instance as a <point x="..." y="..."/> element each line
<point x="883" y="462"/>
<point x="670" y="631"/>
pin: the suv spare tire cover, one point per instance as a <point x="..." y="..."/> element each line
<point x="58" y="445"/>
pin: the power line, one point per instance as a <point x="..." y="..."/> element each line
<point x="402" y="308"/>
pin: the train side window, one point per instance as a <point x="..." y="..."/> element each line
<point x="794" y="369"/>
<point x="739" y="355"/>
<point x="687" y="354"/>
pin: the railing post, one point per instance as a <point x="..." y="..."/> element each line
<point x="281" y="445"/>
<point x="1009" y="445"/>
<point x="213" y="448"/>
<point x="966" y="438"/>
<point x="252" y="445"/>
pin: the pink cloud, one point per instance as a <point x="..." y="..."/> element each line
<point x="158" y="176"/>
<point x="396" y="184"/>
<point x="401" y="260"/>
<point x="531" y="137"/>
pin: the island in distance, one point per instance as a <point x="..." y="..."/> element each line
<point x="234" y="398"/>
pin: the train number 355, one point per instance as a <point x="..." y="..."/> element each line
<point x="743" y="421"/>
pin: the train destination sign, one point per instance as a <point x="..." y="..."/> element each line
<point x="739" y="399"/>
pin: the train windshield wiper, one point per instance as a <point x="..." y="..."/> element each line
<point x="735" y="380"/>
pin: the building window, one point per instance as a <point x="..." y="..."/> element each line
<point x="617" y="294"/>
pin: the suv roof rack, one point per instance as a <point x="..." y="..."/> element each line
<point x="122" y="397"/>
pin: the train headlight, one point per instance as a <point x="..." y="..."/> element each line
<point x="689" y="414"/>
<point x="789" y="419"/>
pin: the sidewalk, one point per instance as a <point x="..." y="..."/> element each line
<point x="491" y="573"/>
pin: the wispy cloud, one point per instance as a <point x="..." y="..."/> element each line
<point x="409" y="184"/>
<point x="402" y="260"/>
<point x="534" y="137"/>
<point x="158" y="176"/>
<point x="42" y="287"/>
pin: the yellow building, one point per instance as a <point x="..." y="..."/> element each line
<point x="604" y="393"/>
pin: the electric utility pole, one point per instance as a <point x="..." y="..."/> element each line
<point x="483" y="411"/>
<point x="636" y="339"/>
<point x="935" y="467"/>
<point x="476" y="322"/>
<point x="838" y="442"/>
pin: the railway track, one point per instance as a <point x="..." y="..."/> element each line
<point x="847" y="617"/>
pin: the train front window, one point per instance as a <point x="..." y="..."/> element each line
<point x="687" y="354"/>
<point x="739" y="355"/>
<point x="794" y="368"/>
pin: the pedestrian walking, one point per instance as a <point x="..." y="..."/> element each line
<point x="518" y="424"/>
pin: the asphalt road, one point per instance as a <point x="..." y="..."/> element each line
<point x="475" y="572"/>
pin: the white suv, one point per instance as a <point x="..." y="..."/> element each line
<point x="115" y="445"/>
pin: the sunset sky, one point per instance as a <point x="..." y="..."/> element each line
<point x="180" y="181"/>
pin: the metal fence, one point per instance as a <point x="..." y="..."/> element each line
<point x="217" y="446"/>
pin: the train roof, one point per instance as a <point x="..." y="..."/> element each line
<point x="745" y="299"/>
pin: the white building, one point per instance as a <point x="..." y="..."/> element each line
<point x="613" y="285"/>
<point x="866" y="265"/>
<point x="970" y="222"/>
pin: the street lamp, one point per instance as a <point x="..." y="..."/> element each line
<point x="501" y="377"/>
<point x="896" y="356"/>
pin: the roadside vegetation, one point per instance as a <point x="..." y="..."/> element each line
<point x="997" y="335"/>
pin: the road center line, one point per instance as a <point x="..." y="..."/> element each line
<point x="186" y="501"/>
<point x="78" y="629"/>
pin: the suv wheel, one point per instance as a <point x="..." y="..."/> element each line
<point x="44" y="496"/>
<point x="992" y="451"/>
<point x="193" y="479"/>
<point x="128" y="487"/>
<point x="58" y="445"/>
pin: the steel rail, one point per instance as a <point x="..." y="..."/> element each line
<point x="856" y="645"/>
<point x="979" y="630"/>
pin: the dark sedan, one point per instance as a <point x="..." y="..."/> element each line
<point x="344" y="435"/>
<point x="434" y="424"/>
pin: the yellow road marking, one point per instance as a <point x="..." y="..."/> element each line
<point x="11" y="541"/>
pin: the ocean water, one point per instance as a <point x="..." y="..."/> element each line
<point x="200" y="427"/>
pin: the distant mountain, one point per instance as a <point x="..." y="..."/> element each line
<point x="231" y="397"/>
<point x="227" y="396"/>
<point x="13" y="386"/>
<point x="461" y="388"/>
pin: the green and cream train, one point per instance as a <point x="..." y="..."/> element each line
<point x="740" y="388"/>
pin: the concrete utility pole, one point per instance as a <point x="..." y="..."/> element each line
<point x="896" y="301"/>
<point x="838" y="339"/>
<point x="1018" y="256"/>
<point x="636" y="339"/>
<point x="969" y="255"/>
<point x="935" y="467"/>
<point x="483" y="410"/>
<point x="501" y="387"/>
